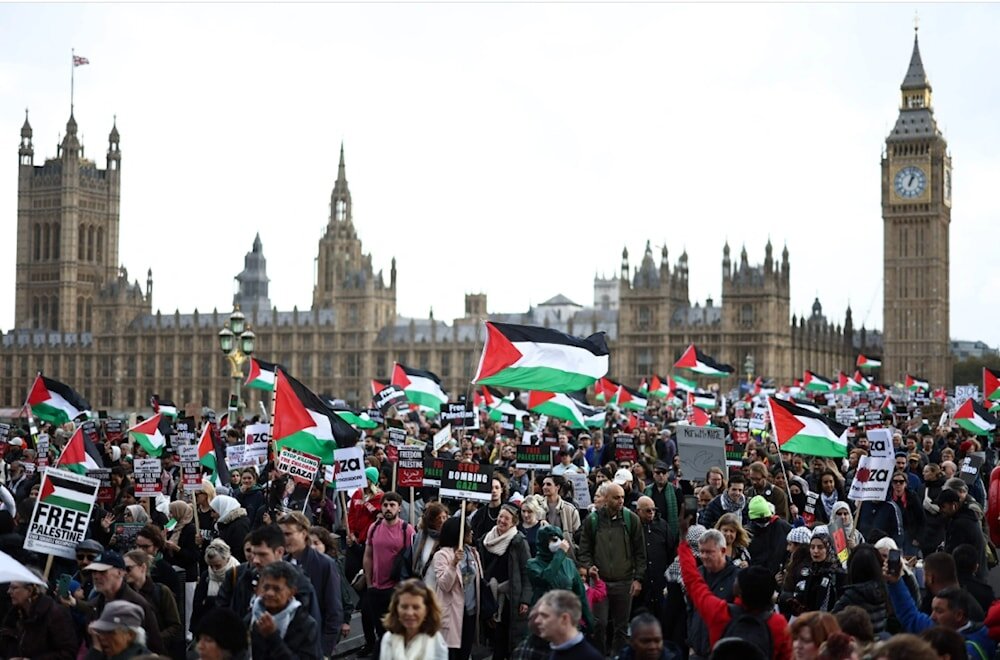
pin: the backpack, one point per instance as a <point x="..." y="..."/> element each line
<point x="630" y="522"/>
<point x="751" y="628"/>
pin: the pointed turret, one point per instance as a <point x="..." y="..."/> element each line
<point x="26" y="131"/>
<point x="70" y="146"/>
<point x="26" y="150"/>
<point x="149" y="285"/>
<point x="768" y="256"/>
<point x="114" y="151"/>
<point x="916" y="77"/>
<point x="625" y="263"/>
<point x="257" y="245"/>
<point x="340" y="199"/>
<point x="916" y="114"/>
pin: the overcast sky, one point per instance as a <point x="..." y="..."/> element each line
<point x="509" y="148"/>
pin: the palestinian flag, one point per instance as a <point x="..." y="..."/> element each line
<point x="703" y="400"/>
<point x="55" y="402"/>
<point x="80" y="454"/>
<point x="991" y="384"/>
<point x="865" y="383"/>
<point x="847" y="384"/>
<point x="505" y="405"/>
<point x="261" y="375"/>
<point x="543" y="359"/>
<point x="147" y="434"/>
<point x="643" y="388"/>
<point x="813" y="382"/>
<point x="558" y="405"/>
<point x="974" y="418"/>
<point x="303" y="421"/>
<point x="66" y="493"/>
<point x="803" y="431"/>
<point x="658" y="387"/>
<point x="887" y="404"/>
<point x="629" y="399"/>
<point x="212" y="456"/>
<point x="699" y="417"/>
<point x="915" y="384"/>
<point x="422" y="388"/>
<point x="593" y="417"/>
<point x="696" y="361"/>
<point x="378" y="385"/>
<point x="224" y="421"/>
<point x="865" y="362"/>
<point x="605" y="389"/>
<point x="165" y="408"/>
<point x="358" y="420"/>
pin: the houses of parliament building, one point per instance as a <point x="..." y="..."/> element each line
<point x="80" y="318"/>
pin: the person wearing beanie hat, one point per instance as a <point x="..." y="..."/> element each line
<point x="818" y="581"/>
<point x="798" y="536"/>
<point x="769" y="535"/>
<point x="371" y="473"/>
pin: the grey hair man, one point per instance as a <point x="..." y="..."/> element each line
<point x="719" y="573"/>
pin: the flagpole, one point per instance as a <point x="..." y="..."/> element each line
<point x="32" y="428"/>
<point x="72" y="74"/>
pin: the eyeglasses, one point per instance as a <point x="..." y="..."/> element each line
<point x="899" y="481"/>
<point x="83" y="557"/>
<point x="659" y="471"/>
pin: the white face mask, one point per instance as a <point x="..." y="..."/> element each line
<point x="555" y="545"/>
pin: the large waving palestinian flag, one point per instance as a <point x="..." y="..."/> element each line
<point x="558" y="405"/>
<point x="703" y="400"/>
<point x="696" y="361"/>
<point x="303" y="421"/>
<point x="813" y="382"/>
<point x="422" y="388"/>
<point x="147" y="434"/>
<point x="55" y="402"/>
<point x="605" y="389"/>
<point x="915" y="384"/>
<point x="212" y="456"/>
<point x="357" y="419"/>
<point x="261" y="375"/>
<point x="991" y="384"/>
<point x="865" y="362"/>
<point x="803" y="431"/>
<point x="166" y="408"/>
<point x="80" y="454"/>
<point x="975" y="419"/>
<point x="532" y="358"/>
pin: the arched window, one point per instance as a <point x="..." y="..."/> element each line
<point x="90" y="244"/>
<point x="79" y="312"/>
<point x="100" y="245"/>
<point x="56" y="238"/>
<point x="37" y="241"/>
<point x="81" y="243"/>
<point x="90" y="316"/>
<point x="36" y="313"/>
<point x="54" y="322"/>
<point x="746" y="315"/>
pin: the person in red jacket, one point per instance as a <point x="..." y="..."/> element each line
<point x="754" y="593"/>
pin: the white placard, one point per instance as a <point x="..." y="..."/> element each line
<point x="62" y="513"/>
<point x="257" y="433"/>
<point x="442" y="437"/>
<point x="349" y="464"/>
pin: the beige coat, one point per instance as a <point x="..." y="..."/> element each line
<point x="451" y="594"/>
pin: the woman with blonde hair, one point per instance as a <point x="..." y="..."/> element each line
<point x="532" y="519"/>
<point x="413" y="625"/>
<point x="737" y="539"/>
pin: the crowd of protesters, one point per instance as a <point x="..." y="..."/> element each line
<point x="764" y="557"/>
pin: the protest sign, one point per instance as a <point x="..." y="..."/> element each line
<point x="42" y="446"/>
<point x="758" y="418"/>
<point x="700" y="448"/>
<point x="255" y="454"/>
<point x="190" y="468"/>
<point x="105" y="492"/>
<point x="460" y="414"/>
<point x="4" y="432"/>
<point x="741" y="430"/>
<point x="184" y="431"/>
<point x="442" y="437"/>
<point x="410" y="470"/>
<point x="581" y="490"/>
<point x="257" y="433"/>
<point x="845" y="416"/>
<point x="971" y="465"/>
<point x="809" y="511"/>
<point x="419" y="444"/>
<point x="535" y="457"/>
<point x="965" y="392"/>
<point x="387" y="398"/>
<point x="350" y="468"/>
<point x="126" y="534"/>
<point x="61" y="514"/>
<point x="396" y="435"/>
<point x="625" y="448"/>
<point x="234" y="455"/>
<point x="375" y="415"/>
<point x="467" y="481"/>
<point x="147" y="473"/>
<point x="114" y="431"/>
<point x="871" y="480"/>
<point x="89" y="429"/>
<point x="433" y="469"/>
<point x="29" y="469"/>
<point x="300" y="467"/>
<point x="508" y="422"/>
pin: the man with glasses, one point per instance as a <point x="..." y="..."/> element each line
<point x="658" y="556"/>
<point x="669" y="502"/>
<point x="87" y="551"/>
<point x="150" y="539"/>
<point x="108" y="571"/>
<point x="761" y="485"/>
<point x="558" y="511"/>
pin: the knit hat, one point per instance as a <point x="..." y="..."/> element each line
<point x="694" y="535"/>
<point x="800" y="535"/>
<point x="759" y="508"/>
<point x="821" y="529"/>
<point x="372" y="474"/>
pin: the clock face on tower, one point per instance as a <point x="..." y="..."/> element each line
<point x="910" y="182"/>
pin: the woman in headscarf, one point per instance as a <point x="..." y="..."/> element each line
<point x="181" y="550"/>
<point x="206" y="521"/>
<point x="220" y="563"/>
<point x="135" y="513"/>
<point x="552" y="568"/>
<point x="797" y="549"/>
<point x="842" y="514"/>
<point x="505" y="554"/>
<point x="532" y="520"/>
<point x="232" y="523"/>
<point x="819" y="581"/>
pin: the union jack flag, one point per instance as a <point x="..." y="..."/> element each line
<point x="80" y="61"/>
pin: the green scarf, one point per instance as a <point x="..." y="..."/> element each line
<point x="670" y="515"/>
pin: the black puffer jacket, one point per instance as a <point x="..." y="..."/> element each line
<point x="869" y="596"/>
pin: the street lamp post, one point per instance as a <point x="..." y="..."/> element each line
<point x="748" y="367"/>
<point x="236" y="340"/>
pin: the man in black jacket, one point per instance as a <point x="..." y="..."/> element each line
<point x="657" y="557"/>
<point x="769" y="530"/>
<point x="280" y="629"/>
<point x="267" y="547"/>
<point x="962" y="527"/>
<point x="323" y="574"/>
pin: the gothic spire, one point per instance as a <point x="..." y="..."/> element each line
<point x="916" y="77"/>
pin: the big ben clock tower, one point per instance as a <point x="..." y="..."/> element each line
<point x="916" y="213"/>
